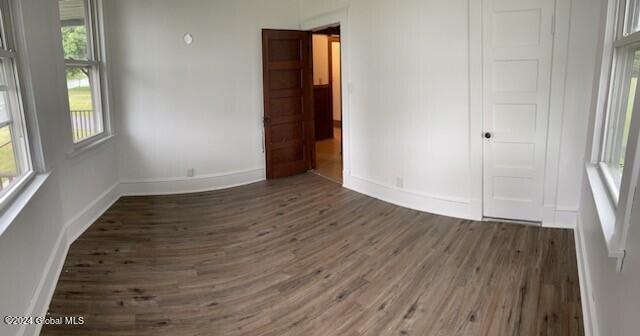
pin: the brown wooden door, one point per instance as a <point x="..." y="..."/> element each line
<point x="288" y="102"/>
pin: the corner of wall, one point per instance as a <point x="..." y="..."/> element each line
<point x="559" y="218"/>
<point x="467" y="209"/>
<point x="73" y="229"/>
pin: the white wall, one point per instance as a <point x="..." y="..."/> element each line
<point x="412" y="67"/>
<point x="313" y="8"/>
<point x="197" y="106"/>
<point x="409" y="104"/>
<point x="34" y="245"/>
<point x="614" y="298"/>
<point x="581" y="71"/>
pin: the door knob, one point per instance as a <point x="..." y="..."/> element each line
<point x="487" y="135"/>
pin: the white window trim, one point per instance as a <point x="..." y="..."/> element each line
<point x="19" y="199"/>
<point x="20" y="135"/>
<point x="99" y="47"/>
<point x="13" y="202"/>
<point x="612" y="189"/>
<point x="613" y="203"/>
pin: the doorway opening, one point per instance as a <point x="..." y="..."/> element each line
<point x="327" y="102"/>
<point x="302" y="102"/>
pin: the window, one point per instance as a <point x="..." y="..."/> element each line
<point x="613" y="170"/>
<point x="622" y="95"/>
<point x="15" y="161"/>
<point x="81" y="44"/>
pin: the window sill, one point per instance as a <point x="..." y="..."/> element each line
<point x="87" y="147"/>
<point x="21" y="200"/>
<point x="606" y="210"/>
<point x="612" y="183"/>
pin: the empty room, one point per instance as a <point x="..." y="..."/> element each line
<point x="319" y="167"/>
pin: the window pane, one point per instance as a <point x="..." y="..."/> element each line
<point x="626" y="117"/>
<point x="8" y="163"/>
<point x="74" y="29"/>
<point x="620" y="122"/>
<point x="15" y="161"/>
<point x="631" y="16"/>
<point x="4" y="107"/>
<point x="85" y="121"/>
<point x="4" y="67"/>
<point x="5" y="115"/>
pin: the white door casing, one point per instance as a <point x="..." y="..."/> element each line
<point x="517" y="50"/>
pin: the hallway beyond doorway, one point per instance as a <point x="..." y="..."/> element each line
<point x="329" y="156"/>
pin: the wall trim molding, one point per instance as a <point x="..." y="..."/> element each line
<point x="452" y="207"/>
<point x="41" y="299"/>
<point x="71" y="231"/>
<point x="39" y="303"/>
<point x="589" y="313"/>
<point x="559" y="218"/>
<point x="184" y="185"/>
<point x="87" y="216"/>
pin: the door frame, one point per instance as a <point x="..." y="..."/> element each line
<point x="339" y="17"/>
<point x="330" y="41"/>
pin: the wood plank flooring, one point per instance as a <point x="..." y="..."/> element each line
<point x="329" y="156"/>
<point x="304" y="256"/>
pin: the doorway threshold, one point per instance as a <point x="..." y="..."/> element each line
<point x="512" y="221"/>
<point x="325" y="177"/>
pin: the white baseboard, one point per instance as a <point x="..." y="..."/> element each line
<point x="44" y="292"/>
<point x="588" y="305"/>
<point x="39" y="304"/>
<point x="184" y="185"/>
<point x="559" y="218"/>
<point x="72" y="230"/>
<point x="458" y="208"/>
<point x="81" y="222"/>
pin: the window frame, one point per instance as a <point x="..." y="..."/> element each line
<point x="19" y="130"/>
<point x="95" y="62"/>
<point x="619" y="49"/>
<point x="623" y="46"/>
<point x="610" y="142"/>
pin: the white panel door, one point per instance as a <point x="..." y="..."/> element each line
<point x="518" y="38"/>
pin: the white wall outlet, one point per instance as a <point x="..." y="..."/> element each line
<point x="190" y="172"/>
<point x="399" y="182"/>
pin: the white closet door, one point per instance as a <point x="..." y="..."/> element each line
<point x="518" y="39"/>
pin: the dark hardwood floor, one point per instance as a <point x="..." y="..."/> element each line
<point x="303" y="256"/>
